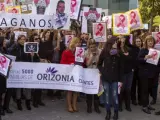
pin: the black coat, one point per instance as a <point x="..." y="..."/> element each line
<point x="146" y="69"/>
<point x="2" y="78"/>
<point x="110" y="67"/>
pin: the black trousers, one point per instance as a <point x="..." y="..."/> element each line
<point x="37" y="96"/>
<point x="135" y="87"/>
<point x="92" y="98"/>
<point x="146" y="85"/>
<point x="7" y="98"/>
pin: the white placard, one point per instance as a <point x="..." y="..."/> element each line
<point x="79" y="54"/>
<point x="155" y="56"/>
<point x="68" y="39"/>
<point x="108" y="20"/>
<point x="99" y="32"/>
<point x="53" y="76"/>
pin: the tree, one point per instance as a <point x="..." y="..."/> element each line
<point x="149" y="9"/>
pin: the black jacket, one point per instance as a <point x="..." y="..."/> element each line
<point x="146" y="69"/>
<point x="110" y="67"/>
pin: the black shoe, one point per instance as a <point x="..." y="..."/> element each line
<point x="89" y="110"/>
<point x="8" y="111"/>
<point x="129" y="109"/>
<point x="28" y="105"/>
<point x="134" y="102"/>
<point x="102" y="105"/>
<point x="146" y="110"/>
<point x="96" y="107"/>
<point x="120" y="109"/>
<point x="157" y="113"/>
<point x="97" y="110"/>
<point x="153" y="102"/>
<point x="19" y="105"/>
<point x="151" y="108"/>
<point x="35" y="105"/>
<point x="139" y="103"/>
<point x="115" y="117"/>
<point x="41" y="104"/>
<point x="108" y="115"/>
<point x="2" y="112"/>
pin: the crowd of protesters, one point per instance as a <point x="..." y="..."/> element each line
<point x="118" y="60"/>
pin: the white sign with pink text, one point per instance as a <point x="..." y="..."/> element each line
<point x="79" y="54"/>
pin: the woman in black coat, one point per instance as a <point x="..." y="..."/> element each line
<point x="111" y="67"/>
<point x="147" y="73"/>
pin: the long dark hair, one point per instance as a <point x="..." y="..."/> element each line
<point x="109" y="44"/>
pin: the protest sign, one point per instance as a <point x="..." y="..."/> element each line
<point x="99" y="32"/>
<point x="4" y="65"/>
<point x="53" y="76"/>
<point x="31" y="47"/>
<point x="135" y="19"/>
<point x="156" y="36"/>
<point x="108" y="21"/>
<point x="121" y="24"/>
<point x="155" y="56"/>
<point x="75" y="9"/>
<point x="68" y="38"/>
<point x="13" y="9"/>
<point x="79" y="54"/>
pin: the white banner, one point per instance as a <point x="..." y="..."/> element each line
<point x="53" y="76"/>
<point x="26" y="21"/>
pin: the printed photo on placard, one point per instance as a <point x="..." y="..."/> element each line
<point x="2" y="7"/>
<point x="108" y="20"/>
<point x="155" y="56"/>
<point x="121" y="24"/>
<point x="90" y="15"/>
<point x="99" y="32"/>
<point x="9" y="2"/>
<point x="4" y="65"/>
<point x="75" y="9"/>
<point x="68" y="39"/>
<point x="79" y="54"/>
<point x="15" y="9"/>
<point x="135" y="19"/>
<point x="59" y="8"/>
<point x="31" y="47"/>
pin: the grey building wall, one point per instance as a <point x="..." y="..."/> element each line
<point x="114" y="6"/>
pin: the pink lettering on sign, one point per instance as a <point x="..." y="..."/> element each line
<point x="3" y="61"/>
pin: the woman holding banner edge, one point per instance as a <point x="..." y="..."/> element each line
<point x="68" y="57"/>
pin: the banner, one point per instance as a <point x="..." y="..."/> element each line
<point x="75" y="9"/>
<point x="121" y="24"/>
<point x="53" y="76"/>
<point x="26" y="21"/>
<point x="108" y="20"/>
<point x="135" y="19"/>
<point x="99" y="32"/>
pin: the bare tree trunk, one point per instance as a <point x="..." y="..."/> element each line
<point x="152" y="15"/>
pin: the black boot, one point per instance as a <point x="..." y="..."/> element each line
<point x="28" y="104"/>
<point x="128" y="100"/>
<point x="96" y="106"/>
<point x="89" y="106"/>
<point x="108" y="116"/>
<point x="7" y="100"/>
<point x="115" y="117"/>
<point x="19" y="105"/>
<point x="120" y="102"/>
<point x="2" y="111"/>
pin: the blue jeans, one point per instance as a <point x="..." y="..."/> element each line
<point x="111" y="93"/>
<point x="127" y="81"/>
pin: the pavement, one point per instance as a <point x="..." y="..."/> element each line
<point x="56" y="110"/>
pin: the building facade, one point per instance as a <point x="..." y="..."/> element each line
<point x="113" y="6"/>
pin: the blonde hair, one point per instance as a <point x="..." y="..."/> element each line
<point x="74" y="41"/>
